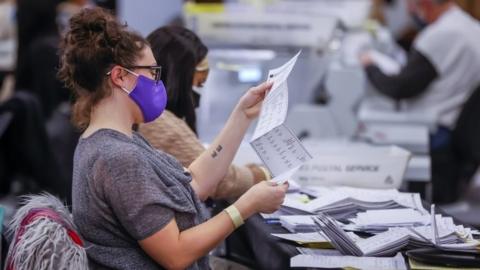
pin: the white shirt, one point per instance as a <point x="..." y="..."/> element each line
<point x="452" y="44"/>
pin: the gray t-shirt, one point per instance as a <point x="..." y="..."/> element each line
<point x="124" y="191"/>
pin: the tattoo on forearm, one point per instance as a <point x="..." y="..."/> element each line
<point x="217" y="151"/>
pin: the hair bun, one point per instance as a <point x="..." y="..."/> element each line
<point x="95" y="24"/>
<point x="95" y="42"/>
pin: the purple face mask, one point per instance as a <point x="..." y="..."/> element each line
<point x="150" y="96"/>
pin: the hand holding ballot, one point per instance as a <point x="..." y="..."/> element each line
<point x="276" y="145"/>
<point x="251" y="103"/>
<point x="264" y="197"/>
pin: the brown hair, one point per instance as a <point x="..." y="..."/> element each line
<point x="95" y="42"/>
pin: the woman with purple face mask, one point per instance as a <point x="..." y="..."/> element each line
<point x="184" y="59"/>
<point x="137" y="207"/>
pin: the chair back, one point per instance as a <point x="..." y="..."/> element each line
<point x="44" y="237"/>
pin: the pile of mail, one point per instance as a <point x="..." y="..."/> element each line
<point x="348" y="262"/>
<point x="345" y="202"/>
<point x="442" y="234"/>
<point x="330" y="258"/>
<point x="376" y="221"/>
<point x="298" y="223"/>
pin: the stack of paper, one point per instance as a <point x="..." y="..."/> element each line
<point x="298" y="223"/>
<point x="395" y="239"/>
<point x="316" y="251"/>
<point x="343" y="203"/>
<point x="375" y="221"/>
<point x="310" y="238"/>
<point x="387" y="64"/>
<point x="339" y="261"/>
<point x="304" y="238"/>
<point x="284" y="211"/>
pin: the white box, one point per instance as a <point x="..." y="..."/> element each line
<point x="414" y="138"/>
<point x="355" y="165"/>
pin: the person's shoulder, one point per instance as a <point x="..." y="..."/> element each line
<point x="113" y="146"/>
<point x="454" y="23"/>
<point x="437" y="35"/>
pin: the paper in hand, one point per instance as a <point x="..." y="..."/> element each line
<point x="284" y="177"/>
<point x="276" y="145"/>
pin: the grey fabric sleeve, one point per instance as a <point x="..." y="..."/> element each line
<point x="139" y="199"/>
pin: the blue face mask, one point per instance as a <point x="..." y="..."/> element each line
<point x="149" y="95"/>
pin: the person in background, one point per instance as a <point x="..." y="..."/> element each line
<point x="26" y="154"/>
<point x="183" y="58"/>
<point x="65" y="11"/>
<point x="7" y="40"/>
<point x="137" y="207"/>
<point x="440" y="74"/>
<point x="37" y="57"/>
<point x="396" y="18"/>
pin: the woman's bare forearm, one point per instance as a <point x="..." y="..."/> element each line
<point x="212" y="165"/>
<point x="177" y="250"/>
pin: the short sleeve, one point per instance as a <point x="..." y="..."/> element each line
<point x="433" y="46"/>
<point x="141" y="202"/>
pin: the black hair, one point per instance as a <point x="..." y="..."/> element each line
<point x="178" y="50"/>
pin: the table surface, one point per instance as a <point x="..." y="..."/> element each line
<point x="270" y="252"/>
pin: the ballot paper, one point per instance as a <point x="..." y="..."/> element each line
<point x="284" y="177"/>
<point x="303" y="238"/>
<point x="386" y="64"/>
<point x="275" y="216"/>
<point x="345" y="202"/>
<point x="309" y="238"/>
<point x="395" y="239"/>
<point x="375" y="221"/>
<point x="326" y="261"/>
<point x="275" y="144"/>
<point x="317" y="251"/>
<point x="438" y="227"/>
<point x="298" y="223"/>
<point x="275" y="105"/>
<point x="303" y="225"/>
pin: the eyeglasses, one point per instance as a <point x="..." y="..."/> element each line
<point x="155" y="70"/>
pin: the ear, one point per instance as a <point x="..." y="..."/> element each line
<point x="118" y="77"/>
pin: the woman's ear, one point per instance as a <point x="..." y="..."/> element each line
<point x="118" y="77"/>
